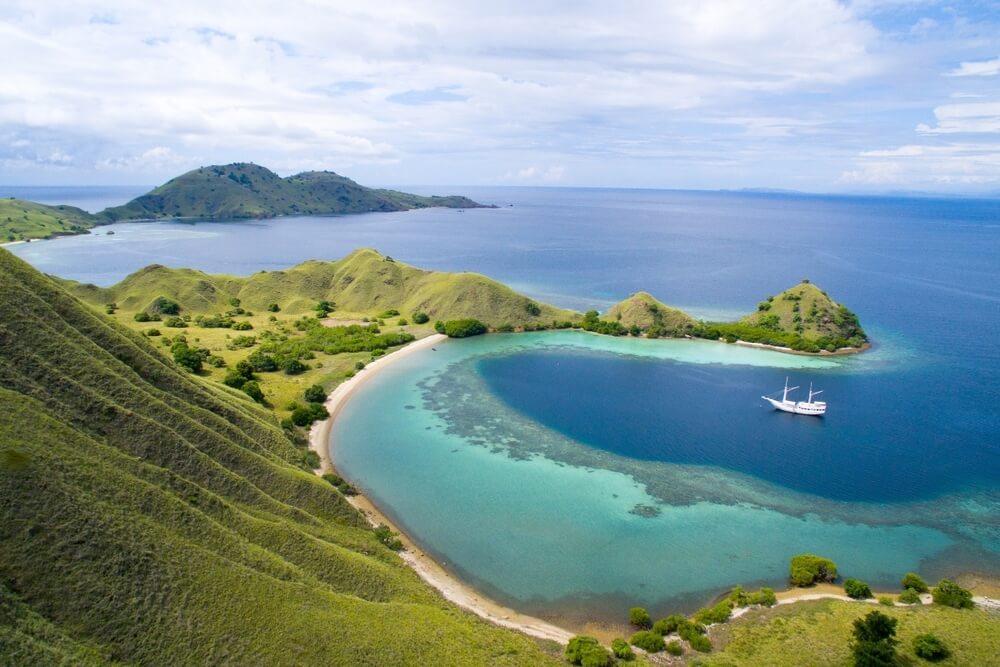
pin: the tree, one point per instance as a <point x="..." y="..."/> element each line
<point x="640" y="618"/>
<point x="914" y="581"/>
<point x="587" y="651"/>
<point x="293" y="367"/>
<point x="421" y="318"/>
<point x="315" y="394"/>
<point x="808" y="569"/>
<point x="161" y="305"/>
<point x="875" y="641"/>
<point x="950" y="594"/>
<point x="621" y="649"/>
<point x="463" y="328"/>
<point x="909" y="596"/>
<point x="858" y="590"/>
<point x="187" y="357"/>
<point x="252" y="389"/>
<point x="930" y="648"/>
<point x="273" y="307"/>
<point x="648" y="641"/>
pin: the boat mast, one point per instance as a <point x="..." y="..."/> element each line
<point x="784" y="397"/>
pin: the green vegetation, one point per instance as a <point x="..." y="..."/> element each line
<point x="22" y="220"/>
<point x="243" y="190"/>
<point x="461" y="328"/>
<point x="148" y="516"/>
<point x="640" y="618"/>
<point x="670" y="624"/>
<point x="674" y="648"/>
<point x="621" y="649"/>
<point x="875" y="641"/>
<point x="913" y="580"/>
<point x="340" y="484"/>
<point x="808" y="569"/>
<point x="858" y="590"/>
<point x="930" y="648"/>
<point x="587" y="651"/>
<point x="950" y="594"/>
<point x="648" y="641"/>
<point x="719" y="613"/>
<point x="909" y="596"/>
<point x="651" y="317"/>
<point x="819" y="633"/>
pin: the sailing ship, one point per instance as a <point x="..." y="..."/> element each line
<point x="809" y="407"/>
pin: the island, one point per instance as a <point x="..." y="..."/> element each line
<point x="221" y="192"/>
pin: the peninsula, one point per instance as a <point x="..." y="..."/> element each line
<point x="220" y="192"/>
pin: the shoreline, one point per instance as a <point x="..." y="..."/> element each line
<point x="434" y="574"/>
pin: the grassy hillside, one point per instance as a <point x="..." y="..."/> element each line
<point x="647" y="313"/>
<point x="244" y="190"/>
<point x="21" y="220"/>
<point x="147" y="516"/>
<point x="364" y="283"/>
<point x="819" y="633"/>
<point x="806" y="310"/>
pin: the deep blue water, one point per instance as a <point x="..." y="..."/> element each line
<point x="875" y="444"/>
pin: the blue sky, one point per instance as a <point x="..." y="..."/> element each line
<point x="812" y="95"/>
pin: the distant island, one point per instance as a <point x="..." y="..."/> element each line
<point x="802" y="319"/>
<point x="221" y="192"/>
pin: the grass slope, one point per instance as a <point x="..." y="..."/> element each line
<point x="243" y="190"/>
<point x="363" y="283"/>
<point x="644" y="311"/>
<point x="819" y="633"/>
<point x="807" y="310"/>
<point x="147" y="516"/>
<point x="21" y="220"/>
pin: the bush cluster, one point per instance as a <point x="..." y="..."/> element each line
<point x="340" y="484"/>
<point x="461" y="328"/>
<point x="950" y="594"/>
<point x="809" y="569"/>
<point x="857" y="590"/>
<point x="648" y="641"/>
<point x="588" y="652"/>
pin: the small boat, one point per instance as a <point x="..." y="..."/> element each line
<point x="809" y="407"/>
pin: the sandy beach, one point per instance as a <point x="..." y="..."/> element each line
<point x="426" y="567"/>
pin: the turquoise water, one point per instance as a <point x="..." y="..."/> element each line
<point x="558" y="527"/>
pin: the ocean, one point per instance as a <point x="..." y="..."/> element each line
<point x="574" y="476"/>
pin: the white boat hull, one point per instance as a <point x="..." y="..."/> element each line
<point x="815" y="409"/>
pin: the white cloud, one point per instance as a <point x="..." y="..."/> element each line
<point x="972" y="117"/>
<point x="552" y="174"/>
<point x="977" y="68"/>
<point x="928" y="166"/>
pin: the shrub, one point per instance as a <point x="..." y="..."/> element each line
<point x="587" y="651"/>
<point x="234" y="379"/>
<point x="252" y="389"/>
<point x="161" y="305"/>
<point x="700" y="643"/>
<point x="665" y="626"/>
<point x="359" y="365"/>
<point x="764" y="597"/>
<point x="340" y="484"/>
<point x="674" y="647"/>
<point x="875" y="641"/>
<point x="241" y="326"/>
<point x="621" y="649"/>
<point x="293" y="367"/>
<point x="914" y="581"/>
<point x="720" y="613"/>
<point x="929" y="647"/>
<point x="141" y="316"/>
<point x="315" y="394"/>
<point x="153" y="332"/>
<point x="273" y="307"/>
<point x="858" y="590"/>
<point x="648" y="641"/>
<point x="390" y="539"/>
<point x="950" y="594"/>
<point x="187" y="357"/>
<point x="311" y="460"/>
<point x="421" y="318"/>
<point x="262" y="362"/>
<point x="385" y="314"/>
<point x="886" y="601"/>
<point x="738" y="597"/>
<point x="324" y="308"/>
<point x="463" y="328"/>
<point x="302" y="417"/>
<point x="640" y="618"/>
<point x="909" y="596"/>
<point x="175" y="323"/>
<point x="808" y="569"/>
<point x="688" y="630"/>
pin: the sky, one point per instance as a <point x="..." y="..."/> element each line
<point x="813" y="95"/>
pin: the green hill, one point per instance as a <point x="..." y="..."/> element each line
<point x="150" y="517"/>
<point x="244" y="190"/>
<point x="21" y="220"/>
<point x="363" y="283"/>
<point x="650" y="315"/>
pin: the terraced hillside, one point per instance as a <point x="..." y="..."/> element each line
<point x="150" y="517"/>
<point x="21" y="220"/>
<point x="245" y="190"/>
<point x="365" y="282"/>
